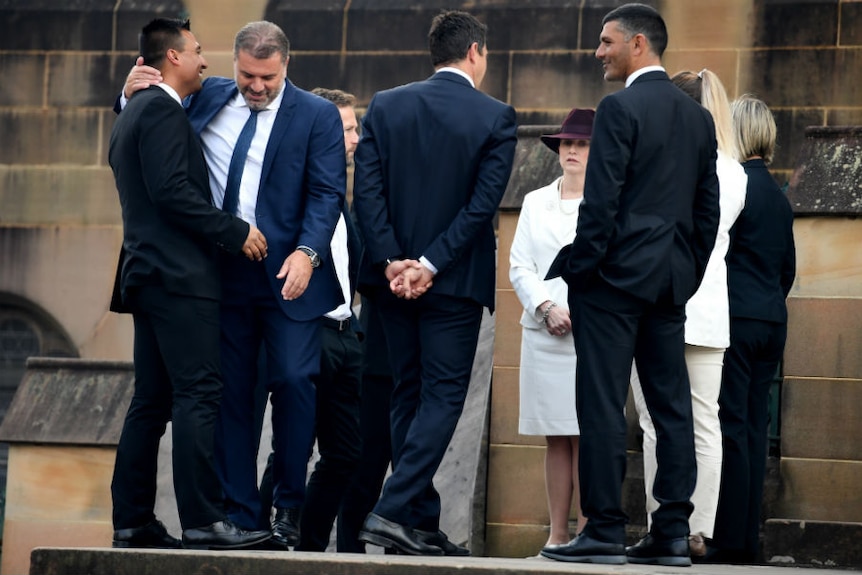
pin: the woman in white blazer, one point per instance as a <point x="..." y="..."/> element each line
<point x="707" y="325"/>
<point x="547" y="222"/>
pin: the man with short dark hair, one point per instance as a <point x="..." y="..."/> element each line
<point x="287" y="177"/>
<point x="432" y="164"/>
<point x="646" y="228"/>
<point x="168" y="279"/>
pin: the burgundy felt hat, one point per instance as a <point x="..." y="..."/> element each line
<point x="578" y="125"/>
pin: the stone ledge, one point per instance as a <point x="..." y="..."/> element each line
<point x="55" y="561"/>
<point x="816" y="543"/>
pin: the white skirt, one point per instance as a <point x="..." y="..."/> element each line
<point x="547" y="384"/>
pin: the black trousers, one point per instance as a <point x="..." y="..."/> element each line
<point x="612" y="327"/>
<point x="750" y="365"/>
<point x="337" y="430"/>
<point x="376" y="453"/>
<point x="176" y="355"/>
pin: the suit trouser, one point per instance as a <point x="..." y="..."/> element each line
<point x="611" y="328"/>
<point x="431" y="341"/>
<point x="749" y="369"/>
<point x="251" y="317"/>
<point x="376" y="452"/>
<point x="704" y="372"/>
<point x="337" y="430"/>
<point x="177" y="379"/>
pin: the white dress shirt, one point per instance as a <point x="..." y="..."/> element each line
<point x="341" y="260"/>
<point x="219" y="138"/>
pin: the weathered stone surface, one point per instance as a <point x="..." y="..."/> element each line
<point x="828" y="260"/>
<point x="558" y="80"/>
<point x="69" y="195"/>
<point x="820" y="490"/>
<point x="51" y="136"/>
<point x="828" y="175"/>
<point x="795" y="22"/>
<point x="69" y="401"/>
<point x="56" y="25"/>
<point x="28" y="70"/>
<point x="535" y="166"/>
<point x="791" y="123"/>
<point x="814" y="543"/>
<point x="310" y="25"/>
<point x="806" y="404"/>
<point x="823" y="338"/>
<point x="851" y="24"/>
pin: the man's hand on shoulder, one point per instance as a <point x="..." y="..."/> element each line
<point x="254" y="247"/>
<point x="140" y="77"/>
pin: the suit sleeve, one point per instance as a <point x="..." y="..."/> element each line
<point x="492" y="177"/>
<point x="369" y="196"/>
<point x="706" y="208"/>
<point x="523" y="268"/>
<point x="610" y="153"/>
<point x="326" y="180"/>
<point x="164" y="147"/>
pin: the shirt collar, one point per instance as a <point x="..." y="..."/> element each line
<point x="458" y="71"/>
<point x="171" y="92"/>
<point x="640" y="72"/>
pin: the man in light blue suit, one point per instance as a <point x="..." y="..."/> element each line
<point x="432" y="164"/>
<point x="290" y="185"/>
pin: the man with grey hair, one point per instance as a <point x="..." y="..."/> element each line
<point x="275" y="155"/>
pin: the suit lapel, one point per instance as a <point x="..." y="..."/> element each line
<point x="204" y="105"/>
<point x="279" y="127"/>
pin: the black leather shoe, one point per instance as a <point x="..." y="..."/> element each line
<point x="388" y="534"/>
<point x="439" y="539"/>
<point x="153" y="535"/>
<point x="670" y="552"/>
<point x="585" y="549"/>
<point x="222" y="535"/>
<point x="285" y="528"/>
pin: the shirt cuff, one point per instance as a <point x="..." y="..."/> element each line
<point x="424" y="261"/>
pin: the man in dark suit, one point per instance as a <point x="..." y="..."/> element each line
<point x="646" y="227"/>
<point x="168" y="279"/>
<point x="291" y="186"/>
<point x="431" y="167"/>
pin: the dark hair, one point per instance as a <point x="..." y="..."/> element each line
<point x="451" y="35"/>
<point x="159" y="36"/>
<point x="640" y="19"/>
<point x="338" y="97"/>
<point x="261" y="40"/>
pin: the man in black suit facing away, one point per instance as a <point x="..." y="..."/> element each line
<point x="168" y="279"/>
<point x="431" y="167"/>
<point x="646" y="227"/>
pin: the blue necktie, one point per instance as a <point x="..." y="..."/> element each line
<point x="237" y="164"/>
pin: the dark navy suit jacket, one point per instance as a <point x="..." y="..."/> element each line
<point x="302" y="185"/>
<point x="761" y="260"/>
<point x="422" y="193"/>
<point x="645" y="224"/>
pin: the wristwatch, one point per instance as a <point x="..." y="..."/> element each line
<point x="315" y="259"/>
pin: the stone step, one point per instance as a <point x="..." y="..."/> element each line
<point x="57" y="561"/>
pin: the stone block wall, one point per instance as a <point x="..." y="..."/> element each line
<point x="63" y="64"/>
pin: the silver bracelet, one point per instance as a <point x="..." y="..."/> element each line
<point x="547" y="311"/>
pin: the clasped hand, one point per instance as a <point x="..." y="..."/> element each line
<point x="408" y="279"/>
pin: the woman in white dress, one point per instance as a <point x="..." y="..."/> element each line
<point x="707" y="325"/>
<point x="547" y="222"/>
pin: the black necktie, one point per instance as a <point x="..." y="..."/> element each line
<point x="237" y="164"/>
